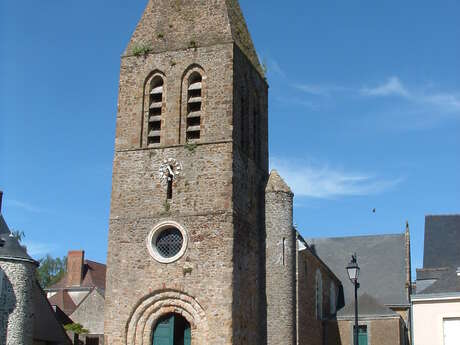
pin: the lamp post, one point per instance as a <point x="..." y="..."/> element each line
<point x="353" y="274"/>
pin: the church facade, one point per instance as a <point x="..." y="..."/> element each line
<point x="202" y="247"/>
<point x="187" y="225"/>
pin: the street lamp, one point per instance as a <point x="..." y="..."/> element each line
<point x="353" y="274"/>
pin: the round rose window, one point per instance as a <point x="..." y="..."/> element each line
<point x="167" y="242"/>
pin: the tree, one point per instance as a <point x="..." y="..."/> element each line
<point x="76" y="329"/>
<point x="19" y="235"/>
<point x="51" y="270"/>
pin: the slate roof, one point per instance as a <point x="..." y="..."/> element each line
<point x="381" y="259"/>
<point x="47" y="326"/>
<point x="442" y="241"/>
<point x="448" y="281"/>
<point x="368" y="306"/>
<point x="93" y="276"/>
<point x="9" y="246"/>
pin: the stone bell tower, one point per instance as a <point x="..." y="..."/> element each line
<point x="186" y="256"/>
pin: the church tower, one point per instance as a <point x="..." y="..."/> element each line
<point x="186" y="256"/>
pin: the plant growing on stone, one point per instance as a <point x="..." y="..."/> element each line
<point x="193" y="45"/>
<point x="190" y="147"/>
<point x="76" y="328"/>
<point x="166" y="206"/>
<point x="141" y="49"/>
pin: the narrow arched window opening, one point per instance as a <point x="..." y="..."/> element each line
<point x="319" y="295"/>
<point x="194" y="106"/>
<point x="155" y="111"/>
<point x="284" y="251"/>
<point x="169" y="192"/>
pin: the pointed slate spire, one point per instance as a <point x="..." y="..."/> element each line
<point x="277" y="184"/>
<point x="171" y="25"/>
<point x="9" y="246"/>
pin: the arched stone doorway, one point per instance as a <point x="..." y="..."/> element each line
<point x="157" y="305"/>
<point x="172" y="329"/>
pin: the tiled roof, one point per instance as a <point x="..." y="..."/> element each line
<point x="63" y="300"/>
<point x="381" y="259"/>
<point x="93" y="276"/>
<point x="442" y="241"/>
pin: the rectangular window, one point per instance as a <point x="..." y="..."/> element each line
<point x="451" y="331"/>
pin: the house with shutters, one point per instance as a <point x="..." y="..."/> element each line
<point x="80" y="295"/>
<point x="436" y="299"/>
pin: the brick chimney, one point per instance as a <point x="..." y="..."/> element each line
<point x="75" y="262"/>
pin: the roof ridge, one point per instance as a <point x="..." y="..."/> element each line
<point x="355" y="236"/>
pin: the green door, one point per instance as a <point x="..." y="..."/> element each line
<point x="362" y="335"/>
<point x="187" y="336"/>
<point x="172" y="330"/>
<point x="164" y="331"/>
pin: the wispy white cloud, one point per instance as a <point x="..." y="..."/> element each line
<point x="25" y="206"/>
<point x="440" y="101"/>
<point x="392" y="86"/>
<point x="316" y="181"/>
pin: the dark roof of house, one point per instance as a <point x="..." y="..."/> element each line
<point x="93" y="276"/>
<point x="447" y="282"/>
<point x="47" y="326"/>
<point x="63" y="300"/>
<point x="381" y="259"/>
<point x="9" y="246"/>
<point x="368" y="306"/>
<point x="442" y="241"/>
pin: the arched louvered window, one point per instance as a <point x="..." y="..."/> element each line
<point x="319" y="295"/>
<point x="194" y="106"/>
<point x="155" y="111"/>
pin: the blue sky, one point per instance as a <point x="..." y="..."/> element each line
<point x="364" y="113"/>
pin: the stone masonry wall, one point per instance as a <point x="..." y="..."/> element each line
<point x="201" y="203"/>
<point x="205" y="279"/>
<point x="90" y="313"/>
<point x="17" y="307"/>
<point x="311" y="330"/>
<point x="380" y="331"/>
<point x="250" y="170"/>
<point x="281" y="256"/>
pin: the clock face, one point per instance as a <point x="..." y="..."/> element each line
<point x="169" y="169"/>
